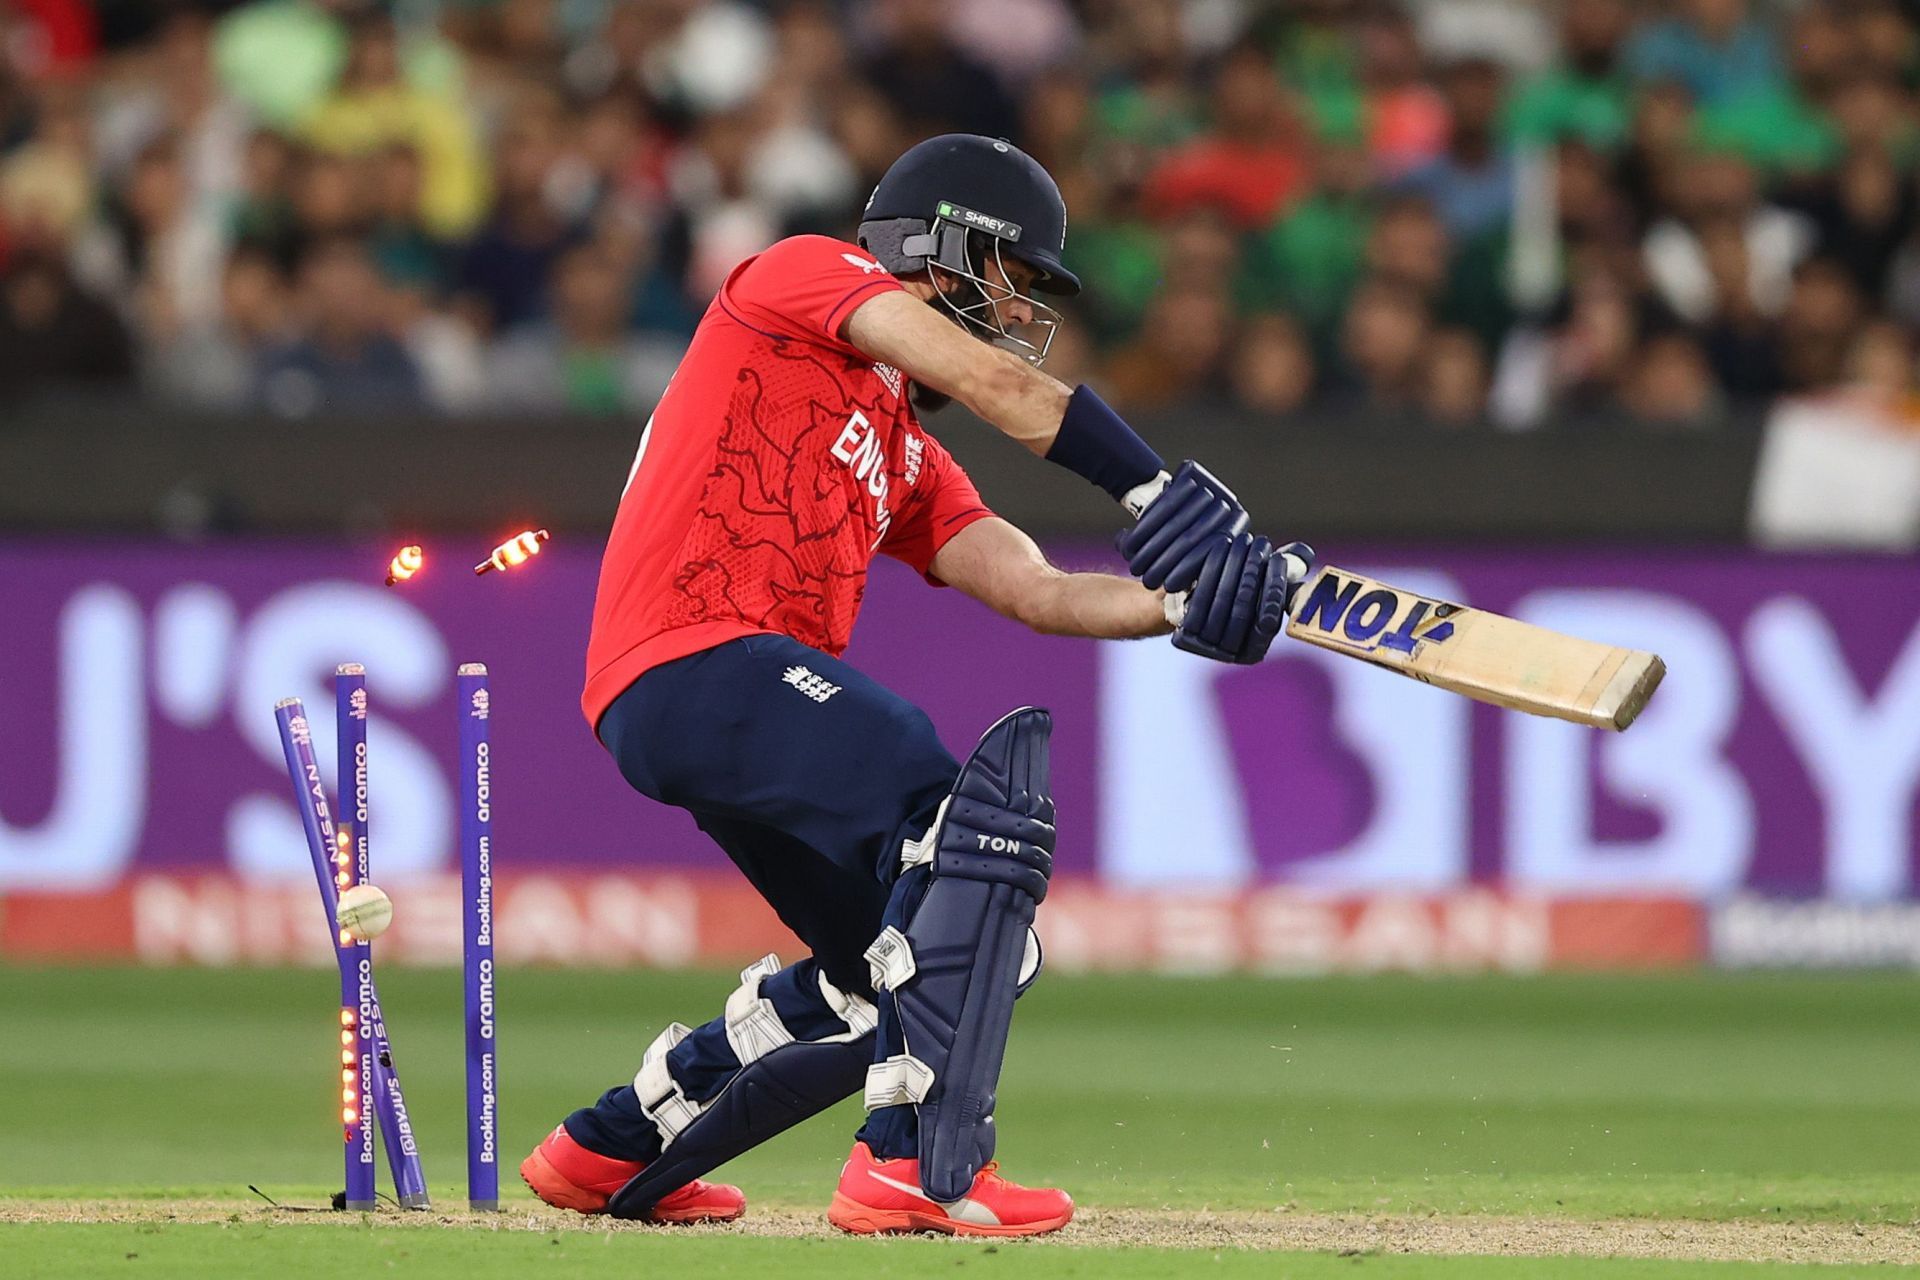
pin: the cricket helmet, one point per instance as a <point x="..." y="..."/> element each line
<point x="959" y="199"/>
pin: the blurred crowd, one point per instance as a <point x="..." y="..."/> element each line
<point x="1426" y="214"/>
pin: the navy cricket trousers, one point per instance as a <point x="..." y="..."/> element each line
<point x="810" y="775"/>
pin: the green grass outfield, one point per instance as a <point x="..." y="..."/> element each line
<point x="1724" y="1107"/>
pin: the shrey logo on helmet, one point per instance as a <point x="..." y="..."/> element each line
<point x="973" y="218"/>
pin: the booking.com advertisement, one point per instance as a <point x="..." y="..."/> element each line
<point x="1311" y="813"/>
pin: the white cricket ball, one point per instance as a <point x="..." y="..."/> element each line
<point x="364" y="911"/>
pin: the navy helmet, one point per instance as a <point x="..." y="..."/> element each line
<point x="959" y="199"/>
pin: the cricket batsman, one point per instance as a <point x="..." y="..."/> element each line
<point x="785" y="453"/>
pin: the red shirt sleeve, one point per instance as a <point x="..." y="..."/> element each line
<point x="942" y="503"/>
<point x="805" y="287"/>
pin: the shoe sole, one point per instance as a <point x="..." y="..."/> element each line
<point x="859" y="1219"/>
<point x="545" y="1182"/>
<point x="681" y="1217"/>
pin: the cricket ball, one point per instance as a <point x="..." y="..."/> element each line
<point x="364" y="911"/>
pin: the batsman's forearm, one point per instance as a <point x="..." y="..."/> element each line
<point x="1073" y="428"/>
<point x="900" y="330"/>
<point x="1097" y="605"/>
<point x="1020" y="400"/>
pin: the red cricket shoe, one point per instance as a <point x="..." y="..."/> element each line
<point x="568" y="1176"/>
<point x="884" y="1196"/>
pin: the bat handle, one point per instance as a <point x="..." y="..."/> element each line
<point x="1297" y="571"/>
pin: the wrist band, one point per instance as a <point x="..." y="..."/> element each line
<point x="1095" y="442"/>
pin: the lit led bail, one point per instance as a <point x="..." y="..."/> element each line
<point x="405" y="563"/>
<point x="515" y="550"/>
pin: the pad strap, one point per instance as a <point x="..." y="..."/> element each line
<point x="661" y="1098"/>
<point x="754" y="1028"/>
<point x="860" y="1016"/>
<point x="890" y="960"/>
<point x="902" y="1078"/>
<point x="917" y="853"/>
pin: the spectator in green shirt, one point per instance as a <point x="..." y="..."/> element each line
<point x="1309" y="261"/>
<point x="1144" y="99"/>
<point x="1113" y="248"/>
<point x="1788" y="129"/>
<point x="1319" y="58"/>
<point x="1588" y="96"/>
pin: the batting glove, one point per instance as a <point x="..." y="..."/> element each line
<point x="1177" y="528"/>
<point x="1240" y="600"/>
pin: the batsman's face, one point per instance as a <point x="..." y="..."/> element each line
<point x="996" y="304"/>
<point x="1013" y="289"/>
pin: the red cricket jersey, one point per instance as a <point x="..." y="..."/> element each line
<point x="778" y="461"/>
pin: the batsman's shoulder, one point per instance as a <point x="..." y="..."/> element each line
<point x="809" y="274"/>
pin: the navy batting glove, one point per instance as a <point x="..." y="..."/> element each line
<point x="1178" y="527"/>
<point x="1240" y="598"/>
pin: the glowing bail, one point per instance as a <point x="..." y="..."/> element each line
<point x="515" y="550"/>
<point x="405" y="563"/>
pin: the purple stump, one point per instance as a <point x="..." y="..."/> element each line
<point x="389" y="1103"/>
<point x="356" y="972"/>
<point x="410" y="1185"/>
<point x="476" y="891"/>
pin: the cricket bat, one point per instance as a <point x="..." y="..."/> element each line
<point x="1482" y="655"/>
